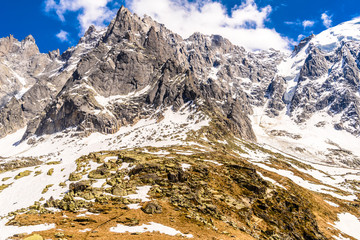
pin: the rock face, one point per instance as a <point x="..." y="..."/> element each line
<point x="29" y="80"/>
<point x="20" y="64"/>
<point x="322" y="76"/>
<point x="136" y="67"/>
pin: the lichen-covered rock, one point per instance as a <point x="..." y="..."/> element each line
<point x="152" y="208"/>
<point x="80" y="186"/>
<point x="99" y="173"/>
<point x="75" y="176"/>
<point x="50" y="172"/>
<point x="22" y="174"/>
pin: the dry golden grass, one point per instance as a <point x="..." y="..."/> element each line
<point x="114" y="214"/>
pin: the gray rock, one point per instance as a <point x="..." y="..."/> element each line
<point x="153" y="67"/>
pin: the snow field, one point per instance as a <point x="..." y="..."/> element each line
<point x="8" y="231"/>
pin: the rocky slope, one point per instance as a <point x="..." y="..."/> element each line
<point x="143" y="130"/>
<point x="196" y="187"/>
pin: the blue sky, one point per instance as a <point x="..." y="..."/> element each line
<point x="256" y="24"/>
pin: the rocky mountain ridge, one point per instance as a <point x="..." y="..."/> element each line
<point x="220" y="71"/>
<point x="137" y="67"/>
<point x="37" y="78"/>
<point x="170" y="71"/>
<point x="137" y="131"/>
<point x="315" y="96"/>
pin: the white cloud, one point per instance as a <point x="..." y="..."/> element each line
<point x="308" y="23"/>
<point x="291" y="23"/>
<point x="245" y="26"/>
<point x="327" y="21"/>
<point x="300" y="37"/>
<point x="63" y="36"/>
<point x="91" y="12"/>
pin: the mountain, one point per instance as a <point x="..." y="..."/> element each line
<point x="314" y="98"/>
<point x="136" y="130"/>
<point x="31" y="79"/>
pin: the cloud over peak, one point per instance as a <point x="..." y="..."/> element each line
<point x="63" y="36"/>
<point x="245" y="26"/>
<point x="327" y="20"/>
<point x="90" y="12"/>
<point x="308" y="23"/>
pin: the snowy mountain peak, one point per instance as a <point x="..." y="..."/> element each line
<point x="334" y="37"/>
<point x="316" y="90"/>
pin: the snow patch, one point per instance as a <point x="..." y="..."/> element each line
<point x="271" y="180"/>
<point x="315" y="144"/>
<point x="348" y="224"/>
<point x="151" y="227"/>
<point x="126" y="166"/>
<point x="214" y="162"/>
<point x="331" y="39"/>
<point x="213" y="73"/>
<point x="99" y="183"/>
<point x="141" y="193"/>
<point x="104" y="101"/>
<point x="331" y="203"/>
<point x="134" y="206"/>
<point x="9" y="231"/>
<point x="110" y="158"/>
<point x="185" y="166"/>
<point x="306" y="184"/>
<point x="160" y="152"/>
